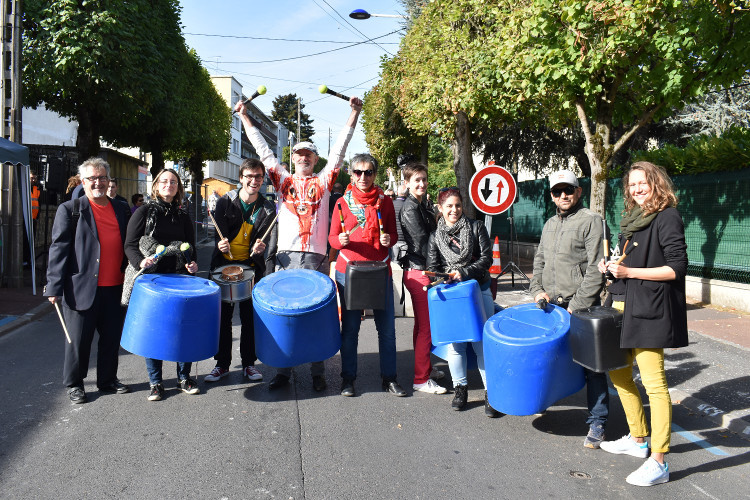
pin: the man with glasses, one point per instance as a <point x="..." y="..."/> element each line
<point x="85" y="275"/>
<point x="243" y="216"/>
<point x="566" y="274"/>
<point x="303" y="208"/>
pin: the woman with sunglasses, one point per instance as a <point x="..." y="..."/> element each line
<point x="366" y="231"/>
<point x="162" y="221"/>
<point x="461" y="248"/>
<point x="650" y="290"/>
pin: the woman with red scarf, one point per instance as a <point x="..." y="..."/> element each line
<point x="366" y="231"/>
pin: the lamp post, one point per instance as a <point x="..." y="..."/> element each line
<point x="361" y="14"/>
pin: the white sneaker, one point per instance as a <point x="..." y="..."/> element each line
<point x="649" y="474"/>
<point x="430" y="387"/>
<point x="216" y="374"/>
<point x="626" y="446"/>
<point x="251" y="373"/>
<point x="436" y="374"/>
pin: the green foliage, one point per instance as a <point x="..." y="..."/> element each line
<point x="728" y="152"/>
<point x="285" y="111"/>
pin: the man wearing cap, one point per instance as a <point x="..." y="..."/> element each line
<point x="566" y="274"/>
<point x="303" y="209"/>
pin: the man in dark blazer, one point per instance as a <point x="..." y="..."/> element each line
<point x="85" y="275"/>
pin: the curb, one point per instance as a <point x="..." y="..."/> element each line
<point x="35" y="313"/>
<point x="732" y="421"/>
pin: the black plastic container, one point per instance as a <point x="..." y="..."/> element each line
<point x="595" y="339"/>
<point x="365" y="284"/>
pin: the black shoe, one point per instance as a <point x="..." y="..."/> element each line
<point x="489" y="410"/>
<point x="156" y="393"/>
<point x="77" y="395"/>
<point x="279" y="380"/>
<point x="460" y="397"/>
<point x="347" y="388"/>
<point x="189" y="386"/>
<point x="319" y="383"/>
<point x="115" y="387"/>
<point x="393" y="388"/>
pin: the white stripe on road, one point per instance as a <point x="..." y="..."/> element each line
<point x="697" y="440"/>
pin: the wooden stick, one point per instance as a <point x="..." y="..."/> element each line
<point x="627" y="252"/>
<point x="605" y="240"/>
<point x="268" y="231"/>
<point x="432" y="274"/>
<point x="221" y="236"/>
<point x="434" y="283"/>
<point x="62" y="321"/>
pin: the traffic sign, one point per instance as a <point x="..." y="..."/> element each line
<point x="492" y="190"/>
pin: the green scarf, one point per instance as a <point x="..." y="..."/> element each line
<point x="635" y="221"/>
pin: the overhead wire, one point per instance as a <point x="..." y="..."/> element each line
<point x="243" y="37"/>
<point x="350" y="24"/>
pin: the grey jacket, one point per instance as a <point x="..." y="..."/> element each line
<point x="566" y="259"/>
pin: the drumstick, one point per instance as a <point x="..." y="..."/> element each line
<point x="62" y="321"/>
<point x="341" y="217"/>
<point x="158" y="253"/>
<point x="434" y="283"/>
<point x="436" y="275"/>
<point x="221" y="236"/>
<point x="268" y="231"/>
<point x="626" y="252"/>
<point x="380" y="222"/>
<point x="605" y="240"/>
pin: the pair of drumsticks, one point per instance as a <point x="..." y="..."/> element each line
<point x="221" y="236"/>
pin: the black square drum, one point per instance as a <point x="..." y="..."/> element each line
<point x="365" y="284"/>
<point x="595" y="338"/>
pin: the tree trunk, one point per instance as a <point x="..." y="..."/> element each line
<point x="463" y="164"/>
<point x="87" y="141"/>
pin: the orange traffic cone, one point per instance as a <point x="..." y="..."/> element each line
<point x="497" y="265"/>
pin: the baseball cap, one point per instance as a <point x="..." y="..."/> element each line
<point x="305" y="145"/>
<point x="563" y="177"/>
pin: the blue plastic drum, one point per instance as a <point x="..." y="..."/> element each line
<point x="296" y="318"/>
<point x="173" y="317"/>
<point x="527" y="359"/>
<point x="456" y="313"/>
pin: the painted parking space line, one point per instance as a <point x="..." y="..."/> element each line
<point x="693" y="438"/>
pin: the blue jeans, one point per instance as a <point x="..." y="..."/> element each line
<point x="597" y="395"/>
<point x="456" y="353"/>
<point x="385" y="322"/>
<point x="153" y="367"/>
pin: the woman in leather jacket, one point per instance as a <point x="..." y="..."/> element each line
<point x="418" y="223"/>
<point x="461" y="248"/>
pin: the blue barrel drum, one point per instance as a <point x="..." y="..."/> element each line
<point x="296" y="318"/>
<point x="173" y="317"/>
<point x="456" y="313"/>
<point x="527" y="359"/>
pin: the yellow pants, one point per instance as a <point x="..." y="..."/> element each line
<point x="651" y="366"/>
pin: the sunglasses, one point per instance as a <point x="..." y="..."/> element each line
<point x="569" y="190"/>
<point x="360" y="173"/>
<point x="452" y="188"/>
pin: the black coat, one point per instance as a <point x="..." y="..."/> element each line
<point x="481" y="255"/>
<point x="228" y="215"/>
<point x="74" y="263"/>
<point x="655" y="313"/>
<point x="417" y="223"/>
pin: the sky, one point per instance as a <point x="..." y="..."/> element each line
<point x="221" y="30"/>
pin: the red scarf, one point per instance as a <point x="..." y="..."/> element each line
<point x="370" y="201"/>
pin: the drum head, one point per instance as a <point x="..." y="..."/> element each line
<point x="248" y="273"/>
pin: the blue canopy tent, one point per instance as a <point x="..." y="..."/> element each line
<point x="15" y="172"/>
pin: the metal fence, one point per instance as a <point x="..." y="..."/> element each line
<point x="715" y="208"/>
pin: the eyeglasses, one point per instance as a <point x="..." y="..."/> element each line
<point x="257" y="177"/>
<point x="167" y="182"/>
<point x="452" y="188"/>
<point x="569" y="190"/>
<point x="359" y="173"/>
<point x="94" y="178"/>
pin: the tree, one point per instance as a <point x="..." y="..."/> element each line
<point x="95" y="62"/>
<point x="610" y="64"/>
<point x="285" y="111"/>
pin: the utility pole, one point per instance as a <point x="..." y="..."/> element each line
<point x="299" y="114"/>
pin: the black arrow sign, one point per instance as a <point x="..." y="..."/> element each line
<point x="486" y="192"/>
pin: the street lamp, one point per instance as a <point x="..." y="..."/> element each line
<point x="361" y="14"/>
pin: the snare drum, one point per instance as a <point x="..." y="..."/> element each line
<point x="234" y="290"/>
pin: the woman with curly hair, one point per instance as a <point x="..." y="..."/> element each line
<point x="649" y="289"/>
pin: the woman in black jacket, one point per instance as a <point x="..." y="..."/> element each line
<point x="162" y="221"/>
<point x="418" y="223"/>
<point x="461" y="248"/>
<point x="650" y="290"/>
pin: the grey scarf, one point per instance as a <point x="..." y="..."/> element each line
<point x="147" y="245"/>
<point x="459" y="235"/>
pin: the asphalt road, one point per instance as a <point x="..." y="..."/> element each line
<point x="237" y="440"/>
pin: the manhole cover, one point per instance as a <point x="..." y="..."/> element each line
<point x="579" y="474"/>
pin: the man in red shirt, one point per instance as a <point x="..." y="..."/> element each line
<point x="85" y="275"/>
